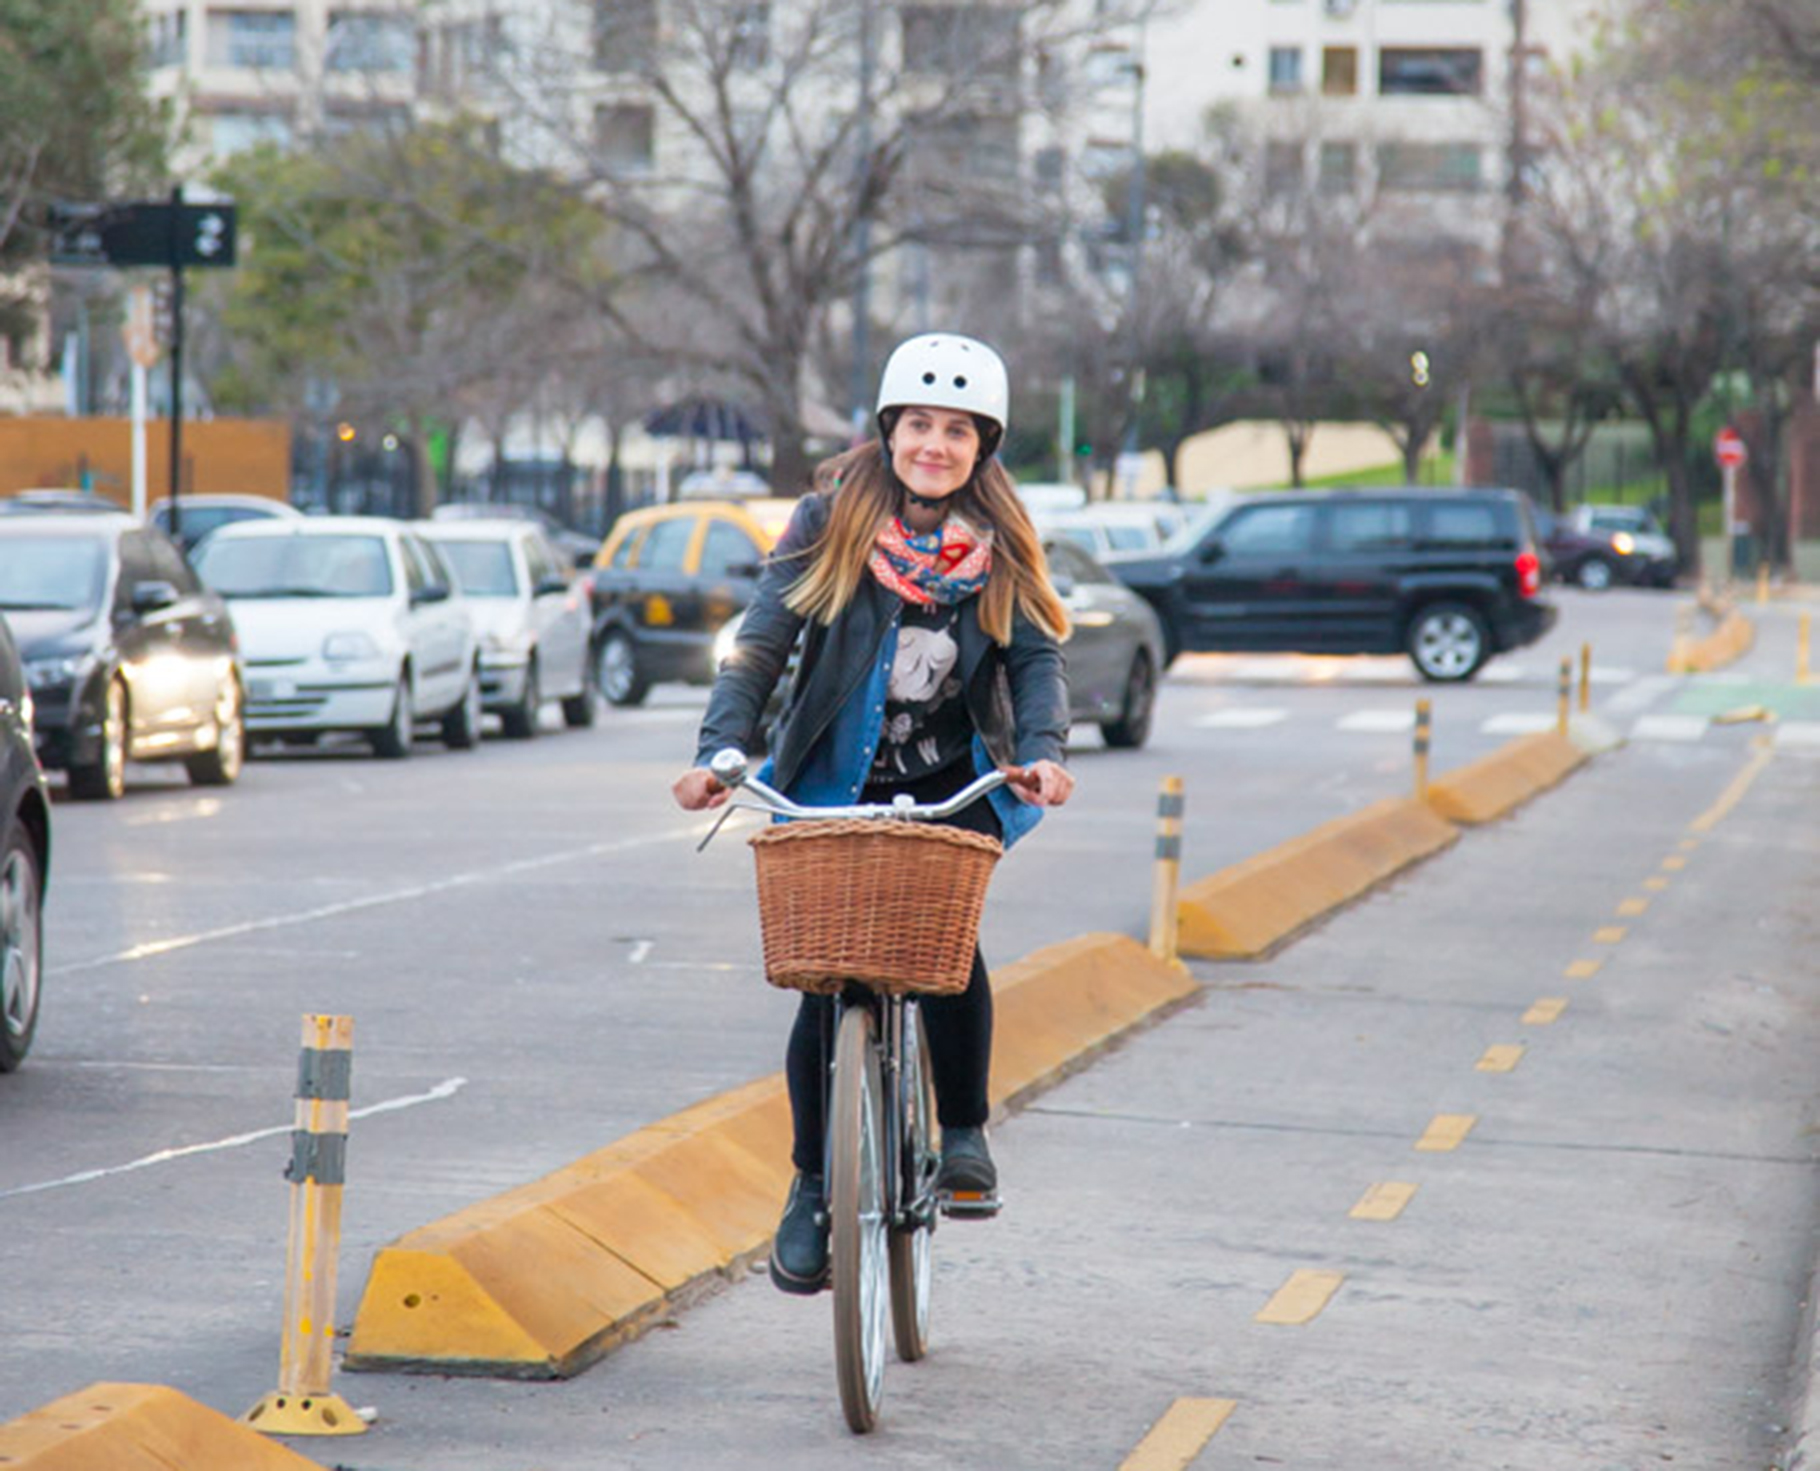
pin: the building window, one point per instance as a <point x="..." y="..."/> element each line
<point x="1282" y="168"/>
<point x="1449" y="166"/>
<point x="1339" y="167"/>
<point x="625" y="35"/>
<point x="1431" y="71"/>
<point x="625" y="138"/>
<point x="1339" y="70"/>
<point x="1049" y="169"/>
<point x="971" y="40"/>
<point x="1285" y="68"/>
<point x="949" y="149"/>
<point x="752" y="36"/>
<point x="167" y="38"/>
<point x="235" y="132"/>
<point x="258" y="40"/>
<point x="368" y="41"/>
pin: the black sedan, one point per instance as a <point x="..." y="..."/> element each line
<point x="128" y="656"/>
<point x="25" y="857"/>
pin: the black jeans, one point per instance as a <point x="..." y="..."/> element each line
<point x="959" y="1027"/>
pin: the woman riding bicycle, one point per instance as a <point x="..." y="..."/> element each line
<point x="932" y="654"/>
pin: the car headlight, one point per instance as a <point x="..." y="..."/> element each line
<point x="28" y="714"/>
<point x="41" y="674"/>
<point x="1623" y="543"/>
<point x="725" y="640"/>
<point x="346" y="648"/>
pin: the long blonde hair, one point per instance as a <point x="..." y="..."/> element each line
<point x="866" y="495"/>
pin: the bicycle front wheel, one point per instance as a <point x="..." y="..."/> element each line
<point x="857" y="1226"/>
<point x="911" y="1232"/>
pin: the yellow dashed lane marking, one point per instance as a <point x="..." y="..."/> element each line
<point x="1547" y="1010"/>
<point x="1500" y="1058"/>
<point x="1582" y="970"/>
<point x="1176" y="1439"/>
<point x="1730" y="797"/>
<point x="1301" y="1298"/>
<point x="1674" y="862"/>
<point x="1658" y="883"/>
<point x="1687" y="845"/>
<point x="1609" y="934"/>
<point x="1631" y="908"/>
<point x="1446" y="1131"/>
<point x="1383" y="1201"/>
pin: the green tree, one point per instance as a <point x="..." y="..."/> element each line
<point x="74" y="123"/>
<point x="399" y="273"/>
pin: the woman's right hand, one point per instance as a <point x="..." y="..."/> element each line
<point x="697" y="789"/>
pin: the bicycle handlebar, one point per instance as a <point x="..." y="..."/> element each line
<point x="730" y="770"/>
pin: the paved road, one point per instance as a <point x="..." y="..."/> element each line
<point x="537" y="963"/>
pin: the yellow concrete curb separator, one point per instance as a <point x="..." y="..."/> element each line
<point x="543" y="1280"/>
<point x="1491" y="786"/>
<point x="137" y="1427"/>
<point x="1242" y="911"/>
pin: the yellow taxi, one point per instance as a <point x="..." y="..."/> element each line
<point x="665" y="580"/>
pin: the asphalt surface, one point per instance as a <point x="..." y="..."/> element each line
<point x="1609" y="1269"/>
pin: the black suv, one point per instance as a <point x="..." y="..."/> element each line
<point x="1449" y="577"/>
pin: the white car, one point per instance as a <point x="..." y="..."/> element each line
<point x="347" y="623"/>
<point x="532" y="616"/>
<point x="1111" y="528"/>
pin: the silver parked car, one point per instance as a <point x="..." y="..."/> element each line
<point x="1115" y="656"/>
<point x="532" y="616"/>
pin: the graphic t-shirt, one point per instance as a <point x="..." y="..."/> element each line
<point x="926" y="727"/>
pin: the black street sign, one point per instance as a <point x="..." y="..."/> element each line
<point x="142" y="234"/>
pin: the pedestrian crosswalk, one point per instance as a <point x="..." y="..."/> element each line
<point x="1389" y="720"/>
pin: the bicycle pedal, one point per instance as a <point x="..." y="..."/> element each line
<point x="971" y="1205"/>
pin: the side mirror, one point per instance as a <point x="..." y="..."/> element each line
<point x="150" y="596"/>
<point x="436" y="592"/>
<point x="549" y="585"/>
<point x="1210" y="551"/>
<point x="1063" y="583"/>
<point x="744" y="569"/>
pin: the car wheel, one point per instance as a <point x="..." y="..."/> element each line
<point x="105" y="779"/>
<point x="461" y="726"/>
<point x="617" y="672"/>
<point x="1595" y="574"/>
<point x="220" y="767"/>
<point x="1132" y="728"/>
<point x="393" y="739"/>
<point x="1448" y="642"/>
<point x="578" y="709"/>
<point x="21" y="948"/>
<point x="520" y="720"/>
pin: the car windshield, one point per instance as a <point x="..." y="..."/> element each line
<point x="1621" y="520"/>
<point x="316" y="566"/>
<point x="1129" y="539"/>
<point x="68" y="572"/>
<point x="483" y="568"/>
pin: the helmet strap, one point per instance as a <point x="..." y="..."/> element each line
<point x="927" y="503"/>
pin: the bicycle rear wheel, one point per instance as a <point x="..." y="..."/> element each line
<point x="911" y="1233"/>
<point x="856" y="1198"/>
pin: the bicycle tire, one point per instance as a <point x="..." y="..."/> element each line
<point x="857" y="1226"/>
<point x="910" y="1245"/>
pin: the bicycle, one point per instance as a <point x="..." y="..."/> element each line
<point x="881" y="1150"/>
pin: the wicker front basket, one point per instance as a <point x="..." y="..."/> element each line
<point x="894" y="904"/>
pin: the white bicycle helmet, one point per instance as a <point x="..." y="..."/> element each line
<point x="941" y="370"/>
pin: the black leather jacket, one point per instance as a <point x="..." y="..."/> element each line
<point x="1017" y="696"/>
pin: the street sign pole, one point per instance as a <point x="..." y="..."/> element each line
<point x="176" y="366"/>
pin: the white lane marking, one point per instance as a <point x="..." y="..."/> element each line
<point x="1798" y="733"/>
<point x="448" y="1088"/>
<point x="640" y="949"/>
<point x="1517" y="722"/>
<point x="151" y="948"/>
<point x="1645" y="691"/>
<point x="1241" y="719"/>
<point x="1377" y="720"/>
<point x="1668" y="728"/>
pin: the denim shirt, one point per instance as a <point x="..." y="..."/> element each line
<point x="835" y="772"/>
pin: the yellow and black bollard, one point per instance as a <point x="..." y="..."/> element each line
<point x="1802" y="633"/>
<point x="1424" y="719"/>
<point x="1169" y="804"/>
<point x="1762" y="583"/>
<point x="302" y="1404"/>
<point x="1681" y="655"/>
<point x="1562" y="686"/>
<point x="1585" y="678"/>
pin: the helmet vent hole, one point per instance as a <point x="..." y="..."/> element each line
<point x="928" y="377"/>
<point x="960" y="382"/>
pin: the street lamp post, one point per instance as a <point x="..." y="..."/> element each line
<point x="1134" y="236"/>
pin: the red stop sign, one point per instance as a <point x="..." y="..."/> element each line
<point x="1728" y="449"/>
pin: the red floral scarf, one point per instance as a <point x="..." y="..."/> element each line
<point x="947" y="565"/>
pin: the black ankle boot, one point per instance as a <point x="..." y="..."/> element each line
<point x="799" y="1251"/>
<point x="966" y="1162"/>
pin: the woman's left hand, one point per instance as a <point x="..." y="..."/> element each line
<point x="1047" y="784"/>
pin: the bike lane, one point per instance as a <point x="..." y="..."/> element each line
<point x="1250" y="1214"/>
